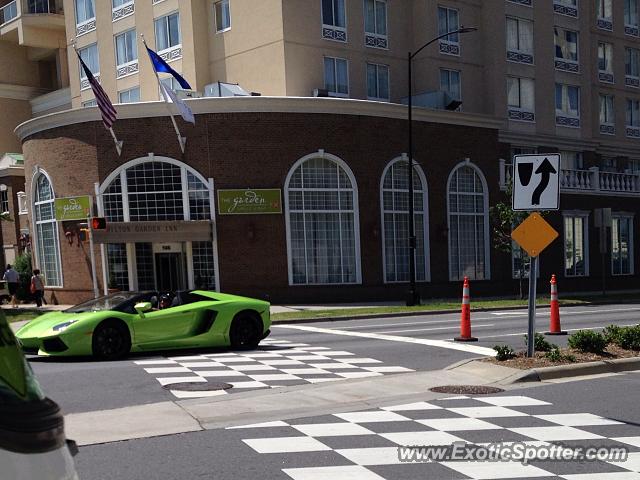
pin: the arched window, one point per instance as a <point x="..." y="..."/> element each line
<point x="47" y="240"/>
<point x="395" y="222"/>
<point x="468" y="205"/>
<point x="322" y="222"/>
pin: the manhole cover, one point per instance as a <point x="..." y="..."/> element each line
<point x="466" y="389"/>
<point x="197" y="386"/>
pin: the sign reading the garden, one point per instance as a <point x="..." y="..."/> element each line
<point x="73" y="208"/>
<point x="249" y="201"/>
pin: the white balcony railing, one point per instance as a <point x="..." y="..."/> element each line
<point x="591" y="181"/>
<point x="9" y="12"/>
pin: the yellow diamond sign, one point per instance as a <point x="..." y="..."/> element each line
<point x="534" y="234"/>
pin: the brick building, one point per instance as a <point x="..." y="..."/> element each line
<point x="341" y="234"/>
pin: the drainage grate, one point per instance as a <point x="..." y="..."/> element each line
<point x="198" y="386"/>
<point x="466" y="389"/>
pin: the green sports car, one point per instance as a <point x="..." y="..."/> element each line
<point x="112" y="326"/>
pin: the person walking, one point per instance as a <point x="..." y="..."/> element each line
<point x="12" y="278"/>
<point x="37" y="287"/>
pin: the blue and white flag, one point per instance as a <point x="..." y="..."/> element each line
<point x="161" y="66"/>
<point x="185" y="111"/>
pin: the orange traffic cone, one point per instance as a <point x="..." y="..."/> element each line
<point x="554" y="325"/>
<point x="465" y="317"/>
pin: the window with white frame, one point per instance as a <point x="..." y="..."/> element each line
<point x="119" y="3"/>
<point x="521" y="98"/>
<point x="90" y="103"/>
<point x="622" y="244"/>
<point x="336" y="76"/>
<point x="375" y="23"/>
<point x="118" y="274"/>
<point x="606" y="110"/>
<point x="132" y="95"/>
<point x="22" y="203"/>
<point x="377" y="82"/>
<point x="395" y="220"/>
<point x="631" y="22"/>
<point x="570" y="160"/>
<point x="167" y="30"/>
<point x="334" y="20"/>
<point x="567" y="102"/>
<point x="467" y="201"/>
<point x="519" y="40"/>
<point x="448" y="21"/>
<point x="576" y="260"/>
<point x="605" y="14"/>
<point x="89" y="56"/>
<point x="322" y="225"/>
<point x="450" y="83"/>
<point x="566" y="50"/>
<point x="4" y="199"/>
<point x="126" y="48"/>
<point x="47" y="240"/>
<point x="85" y="11"/>
<point x="223" y="15"/>
<point x="605" y="62"/>
<point x="633" y="118"/>
<point x="634" y="165"/>
<point x="632" y="66"/>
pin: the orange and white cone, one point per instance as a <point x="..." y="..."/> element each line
<point x="465" y="316"/>
<point x="554" y="324"/>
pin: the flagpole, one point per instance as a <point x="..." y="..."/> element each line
<point x="181" y="140"/>
<point x="118" y="143"/>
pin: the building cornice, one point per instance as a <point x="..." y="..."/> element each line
<point x="214" y="105"/>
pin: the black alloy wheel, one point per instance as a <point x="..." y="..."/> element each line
<point x="111" y="341"/>
<point x="246" y="331"/>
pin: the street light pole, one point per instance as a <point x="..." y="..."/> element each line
<point x="413" y="298"/>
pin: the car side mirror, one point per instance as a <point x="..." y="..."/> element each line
<point x="142" y="307"/>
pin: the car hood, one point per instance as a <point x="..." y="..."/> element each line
<point x="43" y="325"/>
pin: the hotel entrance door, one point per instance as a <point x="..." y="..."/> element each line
<point x="170" y="272"/>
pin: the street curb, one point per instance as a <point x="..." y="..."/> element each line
<point x="576" y="370"/>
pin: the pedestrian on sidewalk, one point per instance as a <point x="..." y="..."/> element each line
<point x="37" y="287"/>
<point x="12" y="278"/>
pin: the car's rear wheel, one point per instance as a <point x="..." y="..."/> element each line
<point x="246" y="331"/>
<point x="111" y="340"/>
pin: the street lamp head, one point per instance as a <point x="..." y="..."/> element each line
<point x="467" y="29"/>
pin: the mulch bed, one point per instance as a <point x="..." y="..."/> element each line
<point x="522" y="362"/>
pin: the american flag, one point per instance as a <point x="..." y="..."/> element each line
<point x="102" y="99"/>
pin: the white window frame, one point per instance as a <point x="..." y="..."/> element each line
<point x="447" y="88"/>
<point x="166" y="25"/>
<point x="356" y="217"/>
<point x="222" y="4"/>
<point x="487" y="246"/>
<point x="374" y="38"/>
<point x="441" y="31"/>
<point x="90" y="103"/>
<point x="624" y="216"/>
<point x="128" y="67"/>
<point x="23" y="209"/>
<point x="4" y="199"/>
<point x="128" y="91"/>
<point x="607" y="49"/>
<point x="520" y="107"/>
<point x="565" y="96"/>
<point x="631" y="25"/>
<point x="602" y="7"/>
<point x="82" y="73"/>
<point x="335" y="69"/>
<point x="379" y="66"/>
<point x="519" y="48"/>
<point x="585" y="235"/>
<point x="425" y="213"/>
<point x="88" y="19"/>
<point x="333" y="9"/>
<point x="607" y="98"/>
<point x="555" y="44"/>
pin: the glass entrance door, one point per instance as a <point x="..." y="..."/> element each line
<point x="170" y="272"/>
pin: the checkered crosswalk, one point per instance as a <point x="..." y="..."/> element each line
<point x="363" y="445"/>
<point x="277" y="363"/>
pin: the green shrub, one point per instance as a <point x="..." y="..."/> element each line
<point x="504" y="352"/>
<point x="539" y="342"/>
<point x="555" y="355"/>
<point x="612" y="334"/>
<point x="22" y="265"/>
<point x="629" y="338"/>
<point x="588" y="341"/>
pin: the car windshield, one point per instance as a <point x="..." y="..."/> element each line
<point x="114" y="301"/>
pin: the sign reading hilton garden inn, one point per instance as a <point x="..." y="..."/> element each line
<point x="73" y="208"/>
<point x="249" y="201"/>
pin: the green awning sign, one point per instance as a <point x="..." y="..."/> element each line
<point x="73" y="208"/>
<point x="249" y="201"/>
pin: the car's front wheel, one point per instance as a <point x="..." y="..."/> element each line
<point x="111" y="340"/>
<point x="246" y="331"/>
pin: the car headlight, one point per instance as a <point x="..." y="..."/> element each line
<point x="63" y="326"/>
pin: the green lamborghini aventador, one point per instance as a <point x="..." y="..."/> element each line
<point x="110" y="327"/>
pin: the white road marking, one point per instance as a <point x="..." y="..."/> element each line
<point x="564" y="330"/>
<point x="393" y="324"/>
<point x="453" y="327"/>
<point x="464" y="347"/>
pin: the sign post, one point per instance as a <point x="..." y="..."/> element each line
<point x="536" y="187"/>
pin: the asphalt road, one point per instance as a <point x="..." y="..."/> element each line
<point x="244" y="453"/>
<point x="417" y="343"/>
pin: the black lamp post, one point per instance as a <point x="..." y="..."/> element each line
<point x="414" y="297"/>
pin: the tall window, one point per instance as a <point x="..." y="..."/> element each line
<point x="631" y="13"/>
<point x="377" y="82"/>
<point x="4" y="199"/>
<point x="375" y="17"/>
<point x="567" y="100"/>
<point x="570" y="160"/>
<point x="47" y="240"/>
<point x="118" y="274"/>
<point x="322" y="224"/>
<point x="605" y="10"/>
<point x="450" y="83"/>
<point x="131" y="95"/>
<point x="606" y="110"/>
<point x="622" y="245"/>
<point x="575" y="245"/>
<point x="633" y="113"/>
<point x="448" y="22"/>
<point x="85" y="11"/>
<point x="89" y="56"/>
<point x="126" y="47"/>
<point x="632" y="62"/>
<point x="223" y="16"/>
<point x="336" y="76"/>
<point x="333" y="13"/>
<point x="468" y="224"/>
<point x="395" y="219"/>
<point x="167" y="31"/>
<point x="605" y="57"/>
<point x="566" y="42"/>
<point x="519" y="35"/>
<point x="520" y="94"/>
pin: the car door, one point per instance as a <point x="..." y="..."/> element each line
<point x="170" y="327"/>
